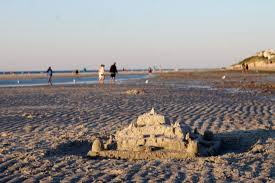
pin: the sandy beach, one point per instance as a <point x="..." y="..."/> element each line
<point x="46" y="132"/>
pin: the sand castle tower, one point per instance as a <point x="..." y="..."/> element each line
<point x="151" y="137"/>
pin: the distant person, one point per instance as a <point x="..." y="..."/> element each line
<point x="150" y="70"/>
<point x="50" y="75"/>
<point x="101" y="75"/>
<point x="76" y="72"/>
<point x="113" y="71"/>
<point x="246" y="67"/>
<point x="243" y="67"/>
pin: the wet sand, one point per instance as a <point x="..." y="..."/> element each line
<point x="46" y="132"/>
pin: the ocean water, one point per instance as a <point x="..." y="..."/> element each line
<point x="66" y="80"/>
<point x="61" y="71"/>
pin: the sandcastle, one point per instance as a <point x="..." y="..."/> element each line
<point x="151" y="137"/>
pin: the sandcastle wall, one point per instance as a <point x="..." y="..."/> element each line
<point x="150" y="130"/>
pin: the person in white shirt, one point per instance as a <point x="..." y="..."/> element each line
<point x="101" y="75"/>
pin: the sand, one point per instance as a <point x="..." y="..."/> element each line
<point x="46" y="132"/>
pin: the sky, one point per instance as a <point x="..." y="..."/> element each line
<point x="73" y="34"/>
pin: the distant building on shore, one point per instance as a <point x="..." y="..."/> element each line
<point x="269" y="54"/>
<point x="263" y="60"/>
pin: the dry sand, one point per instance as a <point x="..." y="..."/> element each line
<point x="46" y="131"/>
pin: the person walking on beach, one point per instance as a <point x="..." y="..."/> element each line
<point x="150" y="70"/>
<point x="101" y="75"/>
<point x="76" y="72"/>
<point x="50" y="75"/>
<point x="243" y="67"/>
<point x="113" y="71"/>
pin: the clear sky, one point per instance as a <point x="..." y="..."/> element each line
<point x="71" y="34"/>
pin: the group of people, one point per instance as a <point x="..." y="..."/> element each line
<point x="245" y="67"/>
<point x="101" y="74"/>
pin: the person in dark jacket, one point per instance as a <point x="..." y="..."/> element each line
<point x="150" y="70"/>
<point x="113" y="72"/>
<point x="50" y="75"/>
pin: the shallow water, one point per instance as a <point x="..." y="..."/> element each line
<point x="65" y="80"/>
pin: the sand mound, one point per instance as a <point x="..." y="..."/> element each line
<point x="135" y="92"/>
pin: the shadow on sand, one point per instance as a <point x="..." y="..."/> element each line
<point x="232" y="142"/>
<point x="77" y="148"/>
<point x="242" y="141"/>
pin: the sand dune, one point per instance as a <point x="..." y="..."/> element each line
<point x="47" y="131"/>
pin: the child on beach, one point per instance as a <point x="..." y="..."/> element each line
<point x="101" y="76"/>
<point x="50" y="75"/>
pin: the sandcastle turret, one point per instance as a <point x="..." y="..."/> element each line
<point x="97" y="146"/>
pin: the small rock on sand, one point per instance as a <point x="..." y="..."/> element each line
<point x="135" y="91"/>
<point x="28" y="128"/>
